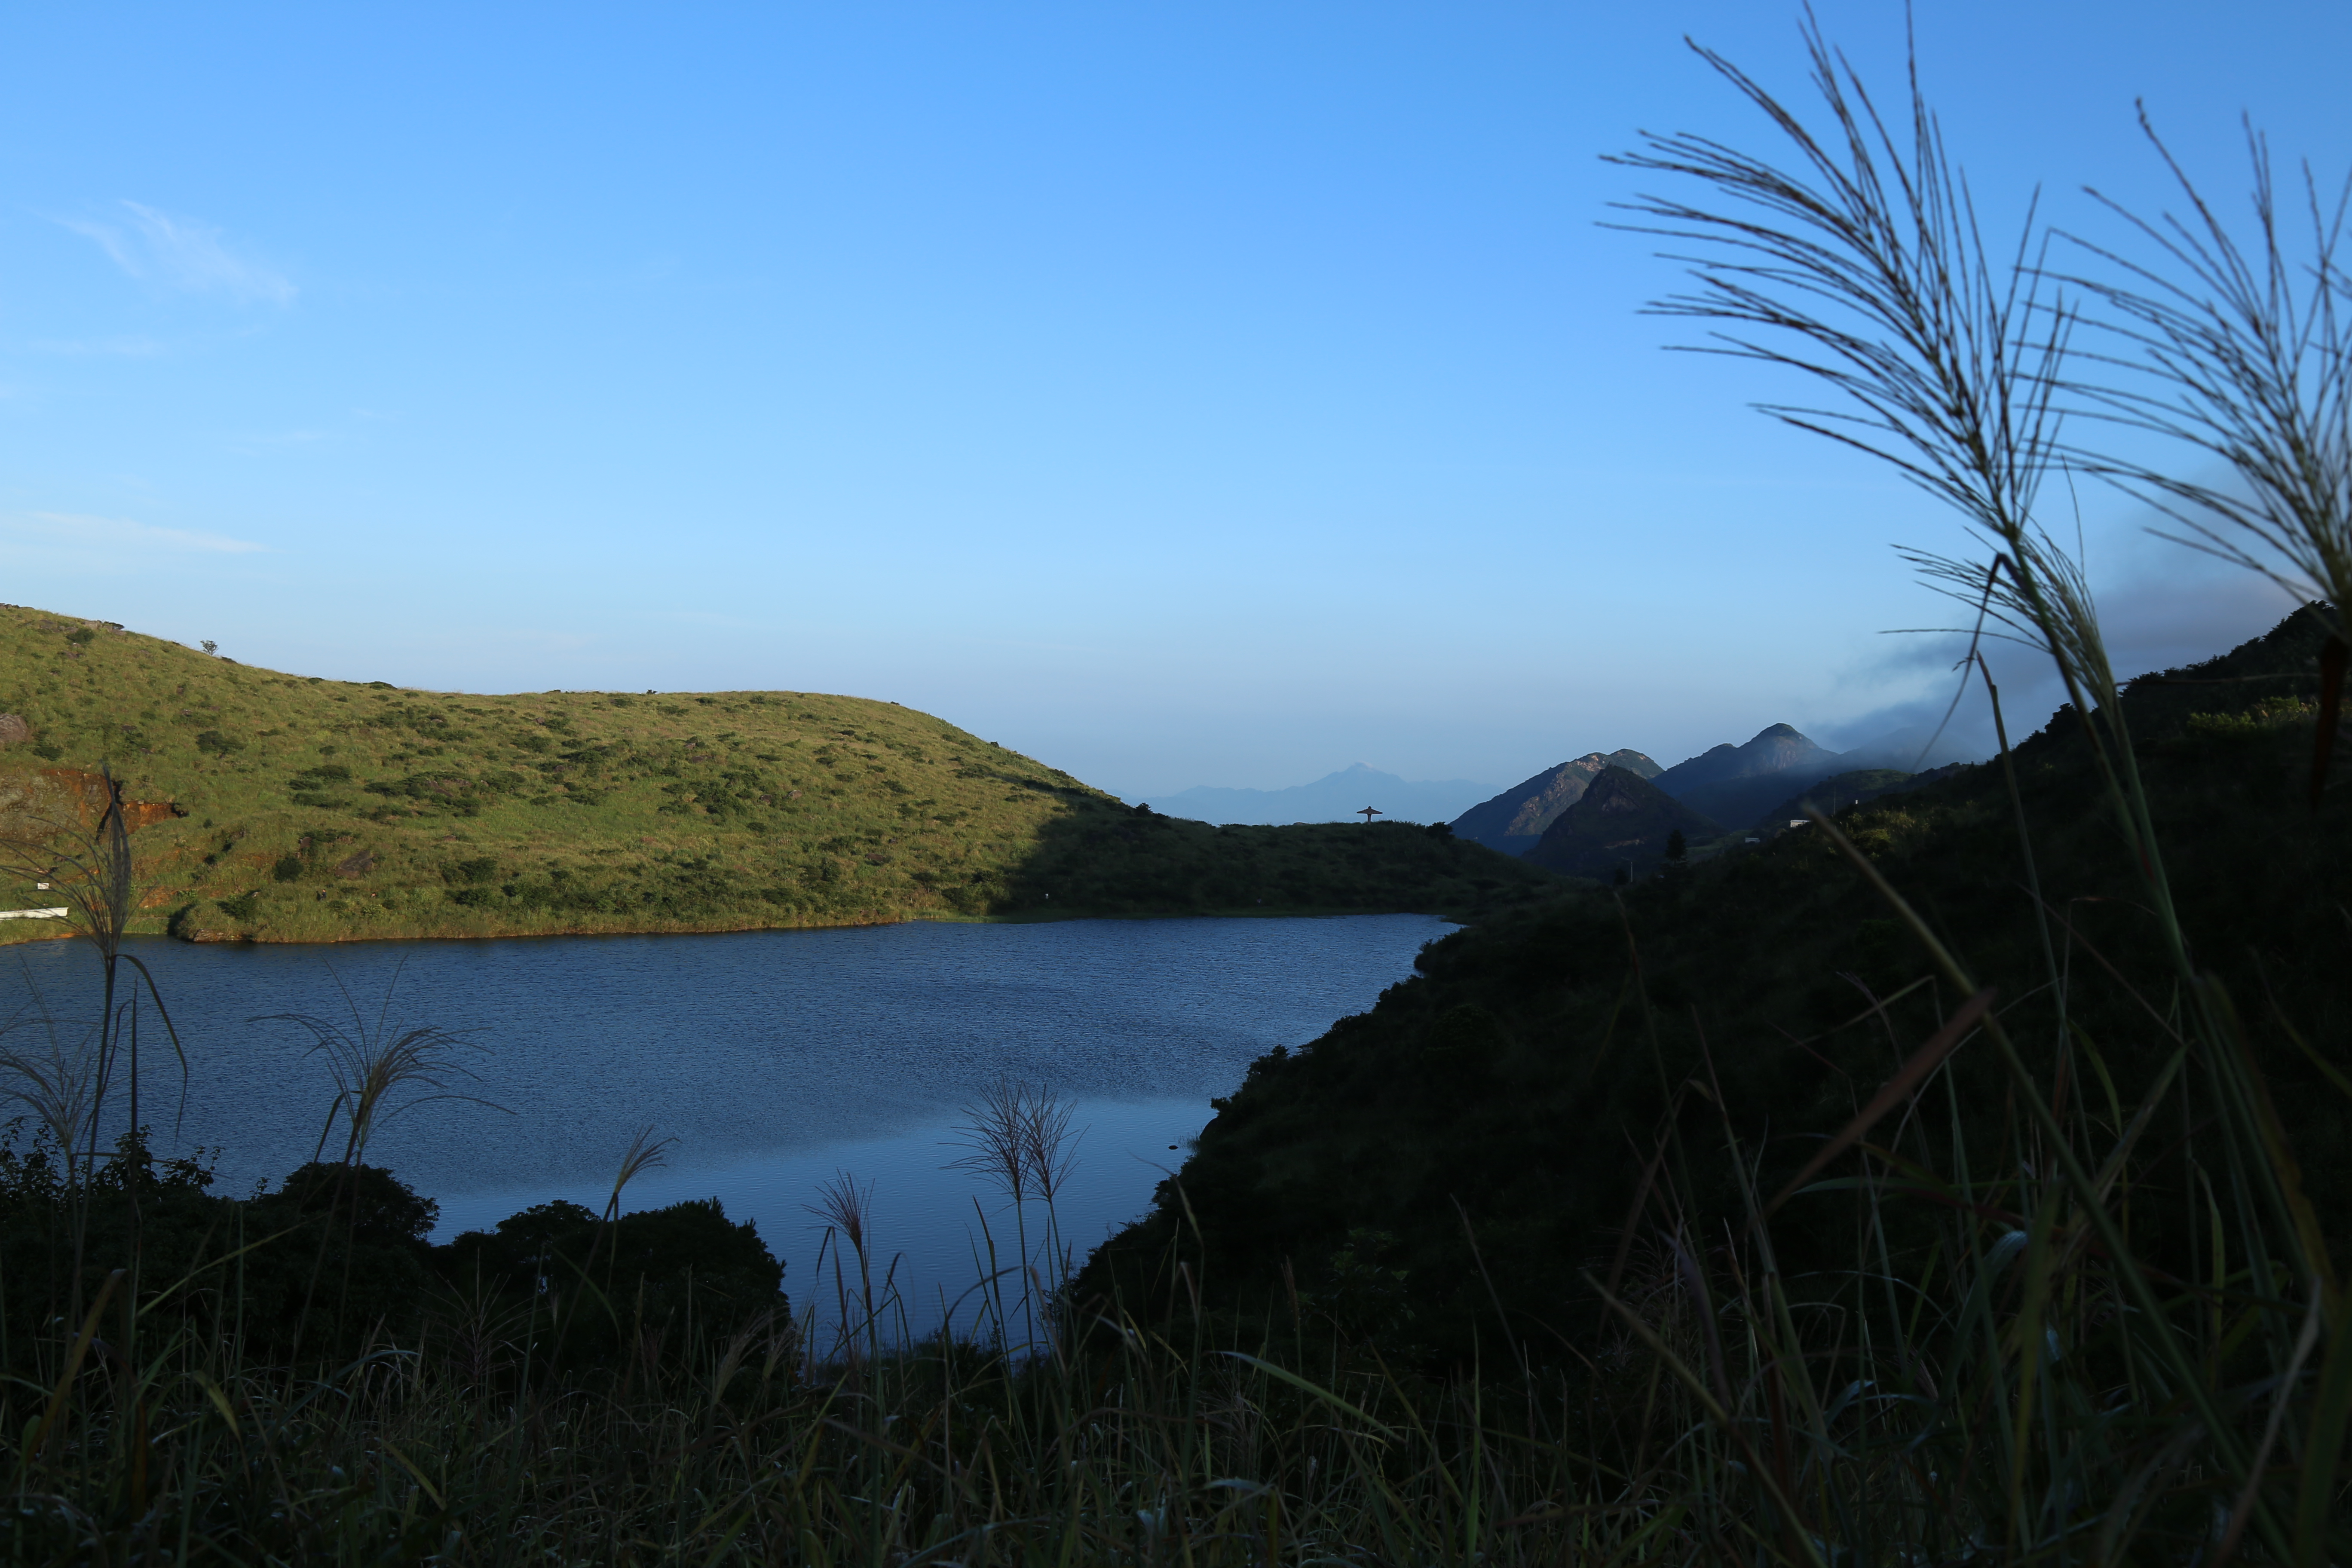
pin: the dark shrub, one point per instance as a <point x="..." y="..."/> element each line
<point x="348" y="1242"/>
<point x="176" y="1214"/>
<point x="289" y="868"/>
<point x="639" y="1278"/>
<point x="220" y="745"/>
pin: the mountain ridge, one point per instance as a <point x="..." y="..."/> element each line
<point x="1734" y="785"/>
<point x="1776" y="748"/>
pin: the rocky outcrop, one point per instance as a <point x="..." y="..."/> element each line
<point x="1622" y="821"/>
<point x="64" y="799"/>
<point x="1513" y="821"/>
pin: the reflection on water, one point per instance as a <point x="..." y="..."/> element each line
<point x="774" y="1057"/>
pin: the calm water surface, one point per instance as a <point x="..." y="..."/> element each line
<point x="775" y="1059"/>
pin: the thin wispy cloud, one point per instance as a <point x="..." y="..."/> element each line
<point x="125" y="347"/>
<point x="85" y="532"/>
<point x="181" y="253"/>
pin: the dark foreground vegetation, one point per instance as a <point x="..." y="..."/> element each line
<point x="1500" y="1124"/>
<point x="1956" y="1180"/>
<point x="337" y="1256"/>
<point x="1504" y="1270"/>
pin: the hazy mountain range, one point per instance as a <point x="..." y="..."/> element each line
<point x="1335" y="797"/>
<point x="1727" y="785"/>
<point x="1724" y="787"/>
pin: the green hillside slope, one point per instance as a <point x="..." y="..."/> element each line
<point x="284" y="807"/>
<point x="1839" y="791"/>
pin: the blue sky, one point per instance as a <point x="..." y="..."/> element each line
<point x="1214" y="394"/>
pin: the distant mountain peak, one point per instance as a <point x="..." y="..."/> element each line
<point x="1775" y="749"/>
<point x="1735" y="783"/>
<point x="1335" y="797"/>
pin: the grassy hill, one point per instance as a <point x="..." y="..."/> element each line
<point x="291" y="808"/>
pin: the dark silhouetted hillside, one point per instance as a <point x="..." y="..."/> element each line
<point x="1489" y="1122"/>
<point x="1835" y="793"/>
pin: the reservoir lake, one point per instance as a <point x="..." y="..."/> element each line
<point x="776" y="1060"/>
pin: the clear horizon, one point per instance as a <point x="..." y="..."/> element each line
<point x="1199" y="398"/>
